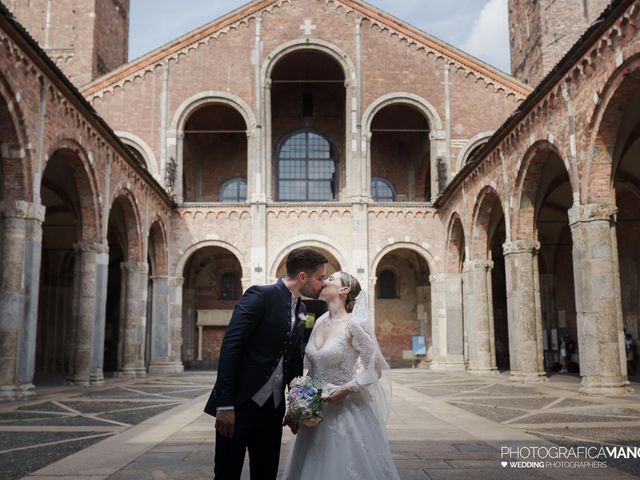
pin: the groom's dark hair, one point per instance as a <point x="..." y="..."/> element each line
<point x="304" y="260"/>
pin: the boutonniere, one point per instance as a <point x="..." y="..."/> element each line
<point x="302" y="317"/>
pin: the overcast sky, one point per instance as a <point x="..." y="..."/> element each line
<point x="479" y="27"/>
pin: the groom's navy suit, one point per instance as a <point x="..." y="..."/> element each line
<point x="259" y="334"/>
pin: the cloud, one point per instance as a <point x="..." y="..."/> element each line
<point x="489" y="37"/>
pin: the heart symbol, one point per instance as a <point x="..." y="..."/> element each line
<point x="504" y="464"/>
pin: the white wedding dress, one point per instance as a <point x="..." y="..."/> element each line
<point x="351" y="442"/>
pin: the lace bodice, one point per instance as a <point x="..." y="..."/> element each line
<point x="333" y="364"/>
<point x="338" y="362"/>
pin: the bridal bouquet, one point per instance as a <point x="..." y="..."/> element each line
<point x="303" y="402"/>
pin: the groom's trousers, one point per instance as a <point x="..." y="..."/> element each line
<point x="257" y="429"/>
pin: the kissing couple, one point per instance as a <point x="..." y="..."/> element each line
<point x="262" y="352"/>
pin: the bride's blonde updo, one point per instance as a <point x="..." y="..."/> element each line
<point x="353" y="285"/>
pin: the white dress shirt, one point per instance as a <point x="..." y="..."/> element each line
<point x="274" y="384"/>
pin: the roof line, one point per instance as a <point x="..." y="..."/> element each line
<point x="363" y="8"/>
<point x="174" y="46"/>
<point x="51" y="70"/>
<point x="431" y="41"/>
<point x="566" y="63"/>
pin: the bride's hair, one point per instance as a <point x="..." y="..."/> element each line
<point x="353" y="285"/>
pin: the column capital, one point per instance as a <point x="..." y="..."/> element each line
<point x="88" y="246"/>
<point x="135" y="267"/>
<point x="176" y="281"/>
<point x="159" y="278"/>
<point x="479" y="264"/>
<point x="22" y="209"/>
<point x="525" y="245"/>
<point x="591" y="212"/>
<point x="438" y="135"/>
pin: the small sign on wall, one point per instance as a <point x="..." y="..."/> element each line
<point x="419" y="345"/>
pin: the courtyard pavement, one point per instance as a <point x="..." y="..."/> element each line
<point x="443" y="426"/>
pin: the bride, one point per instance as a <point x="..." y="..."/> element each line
<point x="345" y="361"/>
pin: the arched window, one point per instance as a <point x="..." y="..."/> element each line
<point x="234" y="191"/>
<point x="382" y="190"/>
<point x="387" y="284"/>
<point x="229" y="286"/>
<point x="472" y="153"/>
<point x="306" y="168"/>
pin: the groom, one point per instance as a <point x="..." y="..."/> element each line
<point x="261" y="353"/>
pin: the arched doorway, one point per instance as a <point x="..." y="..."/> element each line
<point x="626" y="182"/>
<point x="215" y="155"/>
<point x="487" y="243"/>
<point x="308" y="127"/>
<point x="211" y="289"/>
<point x="126" y="316"/>
<point x="400" y="154"/>
<point x="545" y="200"/>
<point x="402" y="304"/>
<point x="61" y="231"/>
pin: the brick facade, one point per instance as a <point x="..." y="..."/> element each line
<point x="85" y="39"/>
<point x="540" y="192"/>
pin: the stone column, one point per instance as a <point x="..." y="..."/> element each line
<point x="446" y="322"/>
<point x="96" y="377"/>
<point x="524" y="313"/>
<point x="161" y="361"/>
<point x="88" y="255"/>
<point x="135" y="318"/>
<point x="478" y="310"/>
<point x="12" y="272"/>
<point x="174" y="352"/>
<point x="598" y="305"/>
<point x="32" y="263"/>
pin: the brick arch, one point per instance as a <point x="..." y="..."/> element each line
<point x="455" y="246"/>
<point x="481" y="230"/>
<point x="606" y="122"/>
<point x="158" y="238"/>
<point x="419" y="249"/>
<point x="16" y="173"/>
<point x="131" y="237"/>
<point x="337" y="54"/>
<point x="210" y="97"/>
<point x="308" y="241"/>
<point x="175" y="135"/>
<point x="525" y="195"/>
<point x="184" y="258"/>
<point x="84" y="177"/>
<point x="473" y="143"/>
<point x="401" y="98"/>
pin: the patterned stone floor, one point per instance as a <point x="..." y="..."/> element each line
<point x="443" y="426"/>
<point x="40" y="432"/>
<point x="552" y="410"/>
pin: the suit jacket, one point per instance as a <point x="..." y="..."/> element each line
<point x="258" y="335"/>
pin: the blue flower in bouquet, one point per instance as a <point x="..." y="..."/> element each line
<point x="303" y="402"/>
